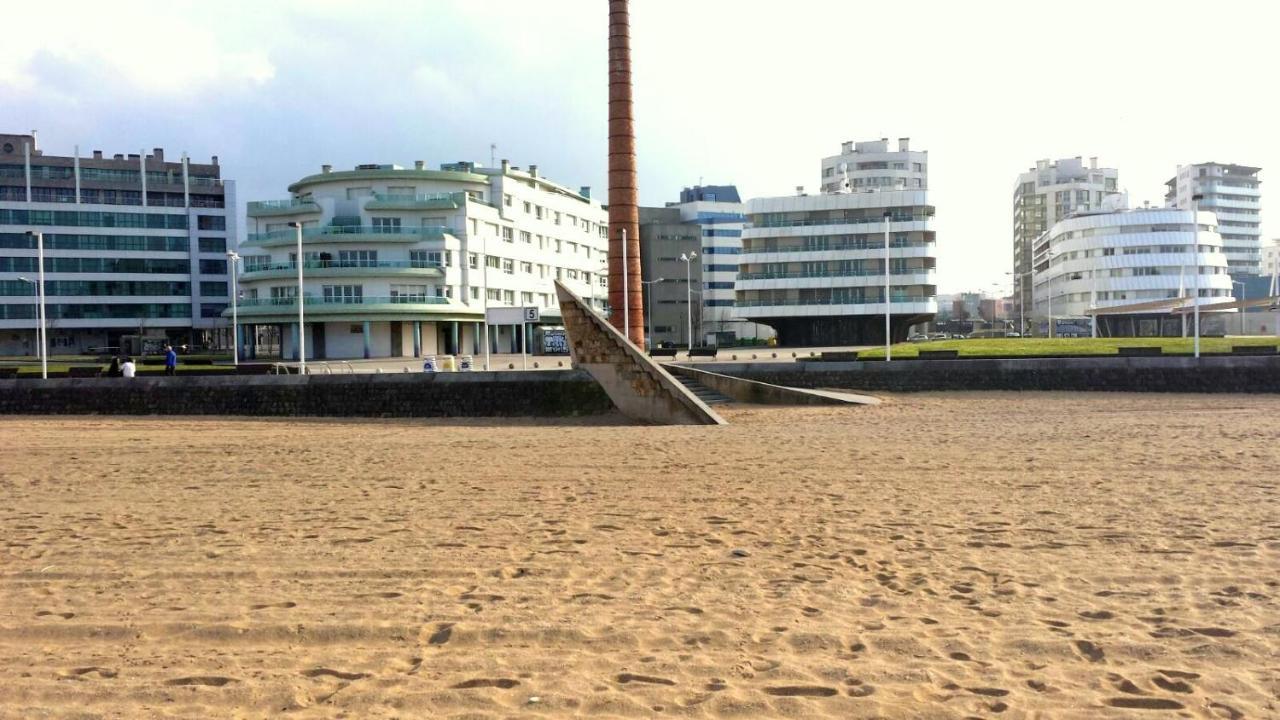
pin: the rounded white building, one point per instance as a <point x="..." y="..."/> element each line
<point x="1150" y="260"/>
<point x="403" y="262"/>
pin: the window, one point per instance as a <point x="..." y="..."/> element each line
<point x="389" y="225"/>
<point x="424" y="258"/>
<point x="213" y="288"/>
<point x="558" y="246"/>
<point x="213" y="245"/>
<point x="343" y="293"/>
<point x="213" y="267"/>
<point x="528" y="208"/>
<point x="508" y="235"/>
<point x="211" y="222"/>
<point x="557" y="217"/>
<point x="509" y="297"/>
<point x="509" y="266"/>
<point x="473" y="261"/>
<point x="475" y="293"/>
<point x="526" y="268"/>
<point x="492" y="261"/>
<point x="408" y="293"/>
<point x="356" y="193"/>
<point x="493" y="294"/>
<point x="526" y="298"/>
<point x="357" y="258"/>
<point x="406" y="191"/>
<point x="526" y="237"/>
<point x="506" y="200"/>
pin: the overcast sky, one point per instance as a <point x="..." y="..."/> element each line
<point x="727" y="91"/>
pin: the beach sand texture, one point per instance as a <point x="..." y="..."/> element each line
<point x="939" y="556"/>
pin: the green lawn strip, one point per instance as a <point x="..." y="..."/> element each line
<point x="61" y="370"/>
<point x="1000" y="347"/>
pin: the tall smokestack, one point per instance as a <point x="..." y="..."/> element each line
<point x="623" y="212"/>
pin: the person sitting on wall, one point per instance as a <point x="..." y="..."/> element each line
<point x="170" y="360"/>
<point x="113" y="370"/>
<point x="127" y="368"/>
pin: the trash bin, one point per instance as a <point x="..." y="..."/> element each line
<point x="429" y="364"/>
<point x="447" y="363"/>
<point x="464" y="363"/>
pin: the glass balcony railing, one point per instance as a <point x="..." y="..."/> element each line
<point x="752" y="248"/>
<point x="322" y="264"/>
<point x="808" y="222"/>
<point x="338" y="301"/>
<point x="427" y="197"/>
<point x="893" y="298"/>
<point x="829" y="274"/>
<point x="287" y="204"/>
<point x="431" y="232"/>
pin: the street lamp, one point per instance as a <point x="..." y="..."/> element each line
<point x="1022" y="310"/>
<point x="44" y="333"/>
<point x="302" y="328"/>
<point x="887" y="339"/>
<point x="688" y="258"/>
<point x="1195" y="255"/>
<point x="233" y="257"/>
<point x="648" y="313"/>
<point x="1244" y="299"/>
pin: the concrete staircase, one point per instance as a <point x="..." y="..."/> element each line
<point x="702" y="392"/>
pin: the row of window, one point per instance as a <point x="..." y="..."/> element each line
<point x="555" y="216"/>
<point x="95" y="196"/>
<point x="72" y="218"/>
<point x="64" y="241"/>
<point x="112" y="265"/>
<point x="67" y="172"/>
<point x="97" y="311"/>
<point x="100" y="287"/>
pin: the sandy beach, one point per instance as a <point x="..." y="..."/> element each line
<point x="938" y="556"/>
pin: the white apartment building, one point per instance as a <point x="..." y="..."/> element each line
<point x="404" y="261"/>
<point x="133" y="245"/>
<point x="813" y="266"/>
<point x="1232" y="193"/>
<point x="1045" y="194"/>
<point x="1114" y="258"/>
<point x="1270" y="258"/>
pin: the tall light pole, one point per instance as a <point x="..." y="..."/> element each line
<point x="1022" y="310"/>
<point x="688" y="259"/>
<point x="44" y="332"/>
<point x="35" y="295"/>
<point x="648" y="314"/>
<point x="1195" y="255"/>
<point x="302" y="328"/>
<point x="234" y="258"/>
<point x="1244" y="299"/>
<point x="1050" y="255"/>
<point x="888" y="354"/>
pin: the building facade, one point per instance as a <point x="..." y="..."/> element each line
<point x="1117" y="258"/>
<point x="1044" y="195"/>
<point x="668" y="280"/>
<point x="1233" y="193"/>
<point x="1270" y="259"/>
<point x="403" y="262"/>
<point x="133" y="245"/>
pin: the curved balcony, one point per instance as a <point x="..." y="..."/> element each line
<point x="291" y="206"/>
<point x="348" y="234"/>
<point x="339" y="268"/>
<point x="354" y="309"/>
<point x="431" y="201"/>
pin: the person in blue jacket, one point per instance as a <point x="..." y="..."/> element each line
<point x="170" y="360"/>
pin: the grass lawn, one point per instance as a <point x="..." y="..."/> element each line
<point x="61" y="369"/>
<point x="976" y="347"/>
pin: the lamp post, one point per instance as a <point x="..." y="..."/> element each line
<point x="688" y="259"/>
<point x="1022" y="310"/>
<point x="1049" y="272"/>
<point x="234" y="258"/>
<point x="40" y="313"/>
<point x="1244" y="299"/>
<point x="648" y="313"/>
<point x="302" y="328"/>
<point x="888" y="354"/>
<point x="35" y="294"/>
<point x="1195" y="255"/>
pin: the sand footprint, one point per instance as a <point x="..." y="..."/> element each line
<point x="503" y="683"/>
<point x="801" y="691"/>
<point x="327" y="672"/>
<point x="625" y="678"/>
<point x="206" y="680"/>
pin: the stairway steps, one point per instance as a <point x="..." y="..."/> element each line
<point x="702" y="392"/>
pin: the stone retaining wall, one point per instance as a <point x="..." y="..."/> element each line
<point x="1240" y="374"/>
<point x="541" y="393"/>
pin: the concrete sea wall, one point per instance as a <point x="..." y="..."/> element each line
<point x="543" y="393"/>
<point x="1222" y="374"/>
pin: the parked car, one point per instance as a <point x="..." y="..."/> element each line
<point x="917" y="337"/>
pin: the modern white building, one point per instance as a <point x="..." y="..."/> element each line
<point x="1270" y="258"/>
<point x="404" y="261"/>
<point x="813" y="266"/>
<point x="1232" y="193"/>
<point x="1045" y="194"/>
<point x="1114" y="258"/>
<point x="133" y="245"/>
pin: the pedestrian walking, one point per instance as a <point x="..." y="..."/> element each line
<point x="170" y="360"/>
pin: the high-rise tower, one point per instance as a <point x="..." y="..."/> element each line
<point x="627" y="306"/>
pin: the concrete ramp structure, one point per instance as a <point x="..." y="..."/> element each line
<point x="640" y="388"/>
